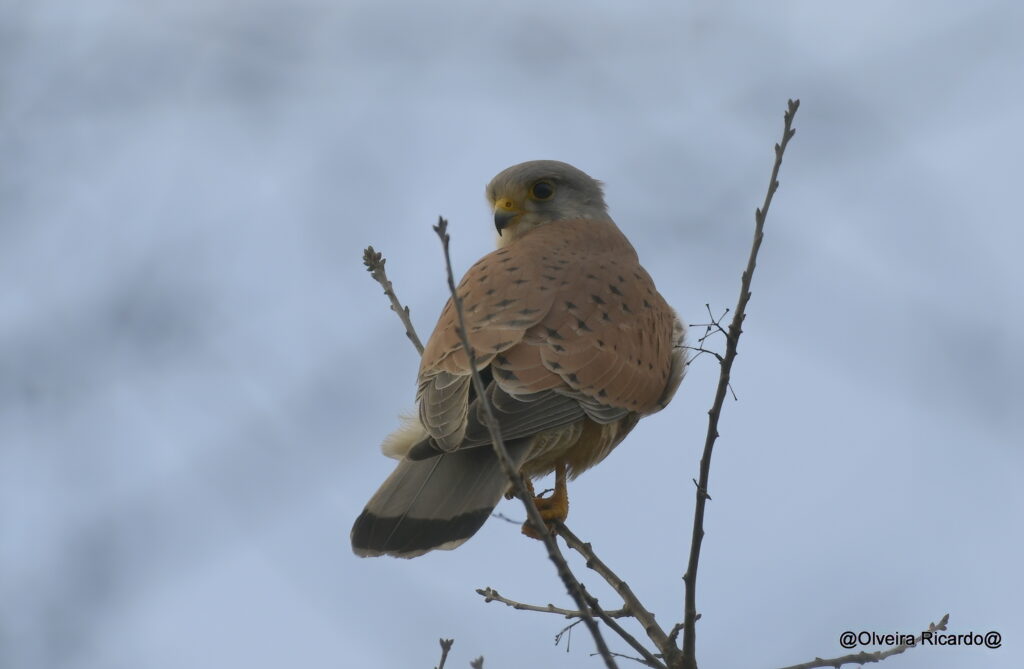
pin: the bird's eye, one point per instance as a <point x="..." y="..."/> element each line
<point x="542" y="190"/>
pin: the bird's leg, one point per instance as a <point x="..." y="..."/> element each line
<point x="555" y="507"/>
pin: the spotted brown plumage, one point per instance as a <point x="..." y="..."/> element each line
<point x="575" y="344"/>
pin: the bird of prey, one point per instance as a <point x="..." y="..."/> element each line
<point x="573" y="342"/>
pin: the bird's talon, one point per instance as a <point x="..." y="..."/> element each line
<point x="554" y="507"/>
<point x="532" y="533"/>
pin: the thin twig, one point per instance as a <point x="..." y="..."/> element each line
<point x="864" y="657"/>
<point x="533" y="516"/>
<point x="567" y="630"/>
<point x="712" y="328"/>
<point x="732" y="339"/>
<point x="700" y="350"/>
<point x="374" y="262"/>
<point x="632" y="602"/>
<point x="492" y="595"/>
<point x="446" y="645"/>
<point x="630" y="657"/>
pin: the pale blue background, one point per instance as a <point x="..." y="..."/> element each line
<point x="195" y="370"/>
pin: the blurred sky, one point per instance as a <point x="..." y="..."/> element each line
<point x="196" y="371"/>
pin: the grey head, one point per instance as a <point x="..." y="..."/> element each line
<point x="537" y="192"/>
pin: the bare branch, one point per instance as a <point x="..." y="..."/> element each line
<point x="478" y="663"/>
<point x="374" y="262"/>
<point x="674" y="632"/>
<point x="864" y="657"/>
<point x="492" y="595"/>
<point x="649" y="658"/>
<point x="632" y="602"/>
<point x="732" y="340"/>
<point x="446" y="645"/>
<point x="533" y="516"/>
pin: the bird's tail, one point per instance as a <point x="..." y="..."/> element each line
<point x="434" y="503"/>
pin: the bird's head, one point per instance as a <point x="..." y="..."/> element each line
<point x="532" y="194"/>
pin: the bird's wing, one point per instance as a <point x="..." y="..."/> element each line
<point x="567" y="310"/>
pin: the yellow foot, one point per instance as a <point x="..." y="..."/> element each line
<point x="553" y="508"/>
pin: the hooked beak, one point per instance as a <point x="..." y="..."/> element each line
<point x="504" y="213"/>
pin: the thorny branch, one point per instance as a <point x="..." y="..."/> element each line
<point x="532" y="513"/>
<point x="865" y="657"/>
<point x="732" y="340"/>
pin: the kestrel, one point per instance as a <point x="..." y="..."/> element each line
<point x="573" y="342"/>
